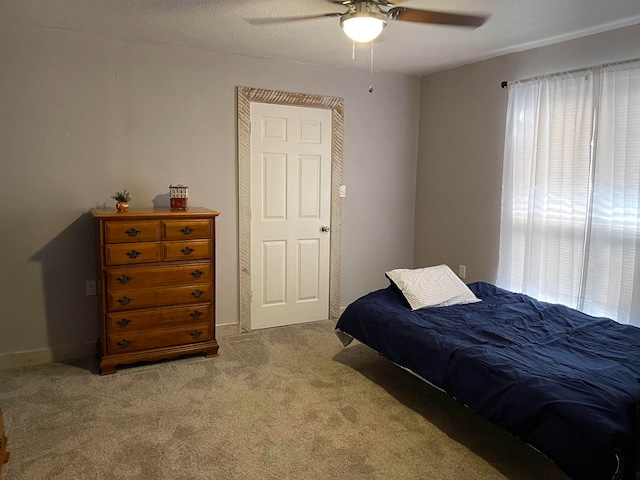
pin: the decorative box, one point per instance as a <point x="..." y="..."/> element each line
<point x="179" y="197"/>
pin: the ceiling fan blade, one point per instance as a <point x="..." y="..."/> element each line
<point x="431" y="16"/>
<point x="273" y="20"/>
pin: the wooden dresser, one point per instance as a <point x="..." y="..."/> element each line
<point x="4" y="455"/>
<point x="156" y="284"/>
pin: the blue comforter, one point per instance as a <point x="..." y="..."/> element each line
<point x="561" y="380"/>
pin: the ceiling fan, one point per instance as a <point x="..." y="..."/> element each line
<point x="364" y="20"/>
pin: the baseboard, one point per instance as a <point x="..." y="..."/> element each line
<point x="46" y="355"/>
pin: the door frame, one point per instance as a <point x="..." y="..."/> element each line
<point x="245" y="96"/>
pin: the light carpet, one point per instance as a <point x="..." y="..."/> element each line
<point x="282" y="403"/>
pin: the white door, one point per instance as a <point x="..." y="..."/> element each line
<point x="290" y="214"/>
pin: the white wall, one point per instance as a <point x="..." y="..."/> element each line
<point x="462" y="123"/>
<point x="82" y="116"/>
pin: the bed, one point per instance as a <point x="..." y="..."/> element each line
<point x="562" y="381"/>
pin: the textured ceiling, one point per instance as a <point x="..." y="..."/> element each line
<point x="403" y="47"/>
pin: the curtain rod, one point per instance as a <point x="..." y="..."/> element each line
<point x="505" y="84"/>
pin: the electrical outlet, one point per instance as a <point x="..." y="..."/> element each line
<point x="90" y="287"/>
<point x="462" y="271"/>
<point x="343" y="191"/>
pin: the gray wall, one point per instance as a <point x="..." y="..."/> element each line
<point x="462" y="122"/>
<point x="82" y="116"/>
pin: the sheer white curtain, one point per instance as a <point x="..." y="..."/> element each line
<point x="571" y="182"/>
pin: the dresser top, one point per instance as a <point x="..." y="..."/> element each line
<point x="153" y="212"/>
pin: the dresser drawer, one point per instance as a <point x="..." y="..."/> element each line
<point x="124" y="322"/>
<point x="123" y="253"/>
<point x="126" y="299"/>
<point x="188" y="250"/>
<point x="186" y="229"/>
<point x="131" y="342"/>
<point x="131" y="231"/>
<point x="141" y="276"/>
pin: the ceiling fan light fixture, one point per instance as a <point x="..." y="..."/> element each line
<point x="363" y="27"/>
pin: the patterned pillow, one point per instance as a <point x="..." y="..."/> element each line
<point x="431" y="287"/>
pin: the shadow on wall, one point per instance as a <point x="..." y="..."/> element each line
<point x="68" y="261"/>
<point x="162" y="200"/>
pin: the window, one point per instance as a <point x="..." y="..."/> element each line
<point x="571" y="184"/>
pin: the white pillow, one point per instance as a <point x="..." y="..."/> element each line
<point x="431" y="287"/>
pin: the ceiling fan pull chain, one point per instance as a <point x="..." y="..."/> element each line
<point x="353" y="50"/>
<point x="371" y="70"/>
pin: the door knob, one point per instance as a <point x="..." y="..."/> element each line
<point x="325" y="228"/>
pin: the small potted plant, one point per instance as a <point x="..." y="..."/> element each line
<point x="122" y="198"/>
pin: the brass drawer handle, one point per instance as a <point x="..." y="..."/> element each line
<point x="197" y="273"/>
<point x="123" y="322"/>
<point x="187" y="250"/>
<point x="132" y="232"/>
<point x="133" y="254"/>
<point x="196" y="314"/>
<point x="124" y="343"/>
<point x="125" y="300"/>
<point x="187" y="230"/>
<point x="196" y="334"/>
<point x="124" y="278"/>
<point x="197" y="293"/>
